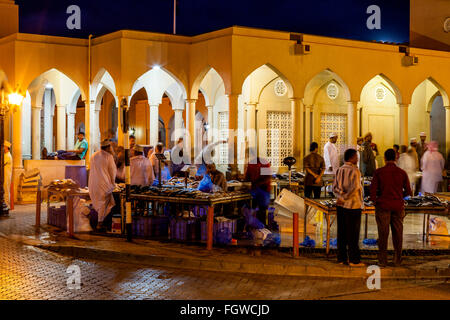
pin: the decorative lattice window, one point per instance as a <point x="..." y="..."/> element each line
<point x="279" y="137"/>
<point x="332" y="91"/>
<point x="380" y="94"/>
<point x="333" y="123"/>
<point x="280" y="88"/>
<point x="223" y="135"/>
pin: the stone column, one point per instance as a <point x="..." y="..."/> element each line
<point x="36" y="132"/>
<point x="352" y="123"/>
<point x="61" y="128"/>
<point x="96" y="130"/>
<point x="447" y="129"/>
<point x="48" y="121"/>
<point x="308" y="110"/>
<point x="154" y="123"/>
<point x="178" y="124"/>
<point x="17" y="139"/>
<point x="70" y="130"/>
<point x="190" y="117"/>
<point x="210" y="123"/>
<point x="297" y="130"/>
<point x="403" y="125"/>
<point x="251" y="126"/>
<point x="233" y="103"/>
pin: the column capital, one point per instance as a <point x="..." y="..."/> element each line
<point x="355" y="102"/>
<point x="447" y="108"/>
<point x="191" y="101"/>
<point x="296" y="99"/>
<point x="175" y="109"/>
<point x="37" y="107"/>
<point x="403" y="105"/>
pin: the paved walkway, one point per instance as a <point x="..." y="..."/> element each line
<point x="20" y="227"/>
<point x="27" y="272"/>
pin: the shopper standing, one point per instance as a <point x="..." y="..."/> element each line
<point x="102" y="178"/>
<point x="390" y="185"/>
<point x="331" y="157"/>
<point x="314" y="166"/>
<point x="433" y="165"/>
<point x="349" y="192"/>
<point x="368" y="163"/>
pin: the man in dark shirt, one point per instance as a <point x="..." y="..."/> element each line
<point x="314" y="166"/>
<point x="390" y="185"/>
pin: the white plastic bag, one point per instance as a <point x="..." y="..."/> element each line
<point x="81" y="222"/>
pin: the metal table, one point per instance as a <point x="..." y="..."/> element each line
<point x="210" y="203"/>
<point x="331" y="211"/>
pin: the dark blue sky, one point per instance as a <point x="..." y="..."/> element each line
<point x="335" y="18"/>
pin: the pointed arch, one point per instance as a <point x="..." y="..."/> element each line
<point x="319" y="80"/>
<point x="392" y="86"/>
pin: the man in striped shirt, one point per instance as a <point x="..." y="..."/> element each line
<point x="349" y="192"/>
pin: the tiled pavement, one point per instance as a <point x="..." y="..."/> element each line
<point x="30" y="273"/>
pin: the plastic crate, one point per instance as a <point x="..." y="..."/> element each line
<point x="185" y="229"/>
<point x="57" y="217"/>
<point x="147" y="227"/>
<point x="231" y="225"/>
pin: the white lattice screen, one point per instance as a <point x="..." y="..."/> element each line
<point x="279" y="137"/>
<point x="333" y="123"/>
<point x="223" y="135"/>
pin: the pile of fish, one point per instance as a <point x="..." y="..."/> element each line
<point x="425" y="201"/>
<point x="296" y="176"/>
<point x="63" y="186"/>
<point x="179" y="192"/>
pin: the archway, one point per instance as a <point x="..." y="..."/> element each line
<point x="380" y="113"/>
<point x="427" y="113"/>
<point x="326" y="111"/>
<point x="267" y="116"/>
<point x="52" y="96"/>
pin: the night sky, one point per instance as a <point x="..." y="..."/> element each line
<point x="335" y="18"/>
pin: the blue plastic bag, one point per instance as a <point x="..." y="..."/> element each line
<point x="370" y="242"/>
<point x="206" y="184"/>
<point x="308" y="243"/>
<point x="165" y="174"/>
<point x="333" y="243"/>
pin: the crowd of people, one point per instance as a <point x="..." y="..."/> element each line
<point x="389" y="186"/>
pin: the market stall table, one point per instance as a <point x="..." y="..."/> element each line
<point x="209" y="202"/>
<point x="311" y="204"/>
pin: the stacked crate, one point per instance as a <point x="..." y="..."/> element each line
<point x="57" y="217"/>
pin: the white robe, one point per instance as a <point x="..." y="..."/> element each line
<point x="433" y="164"/>
<point x="409" y="165"/>
<point x="102" y="178"/>
<point x="141" y="171"/>
<point x="8" y="176"/>
<point x="331" y="157"/>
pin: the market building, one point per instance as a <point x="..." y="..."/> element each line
<point x="278" y="90"/>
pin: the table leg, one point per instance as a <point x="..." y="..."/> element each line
<point x="295" y="245"/>
<point x="423" y="228"/>
<point x="366" y="228"/>
<point x="69" y="211"/>
<point x="210" y="228"/>
<point x="305" y="220"/>
<point x="427" y="238"/>
<point x="38" y="208"/>
<point x="328" y="232"/>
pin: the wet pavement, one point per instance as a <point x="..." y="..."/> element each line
<point x="27" y="272"/>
